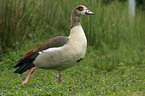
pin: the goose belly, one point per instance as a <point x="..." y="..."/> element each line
<point x="58" y="58"/>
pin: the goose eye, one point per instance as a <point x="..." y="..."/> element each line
<point x="80" y="8"/>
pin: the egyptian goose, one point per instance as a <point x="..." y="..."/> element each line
<point x="60" y="52"/>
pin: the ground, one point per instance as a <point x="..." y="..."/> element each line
<point x="100" y="73"/>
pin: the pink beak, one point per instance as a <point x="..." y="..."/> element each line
<point x="88" y="12"/>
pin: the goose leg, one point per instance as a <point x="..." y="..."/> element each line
<point x="60" y="79"/>
<point x="30" y="72"/>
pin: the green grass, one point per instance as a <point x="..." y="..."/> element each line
<point x="102" y="72"/>
<point x="36" y="20"/>
<point x="115" y="61"/>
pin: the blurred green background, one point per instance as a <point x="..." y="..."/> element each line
<point x="30" y="21"/>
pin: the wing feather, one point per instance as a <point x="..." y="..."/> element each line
<point x="50" y="43"/>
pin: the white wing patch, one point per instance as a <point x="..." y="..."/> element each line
<point x="51" y="49"/>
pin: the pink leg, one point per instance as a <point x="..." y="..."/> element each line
<point x="60" y="79"/>
<point x="30" y="72"/>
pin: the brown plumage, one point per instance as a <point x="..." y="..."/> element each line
<point x="57" y="41"/>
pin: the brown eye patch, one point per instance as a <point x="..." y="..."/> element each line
<point x="80" y="8"/>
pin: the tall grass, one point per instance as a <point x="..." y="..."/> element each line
<point x="17" y="20"/>
<point x="34" y="20"/>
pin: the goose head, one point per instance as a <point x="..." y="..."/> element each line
<point x="82" y="10"/>
<point x="77" y="12"/>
